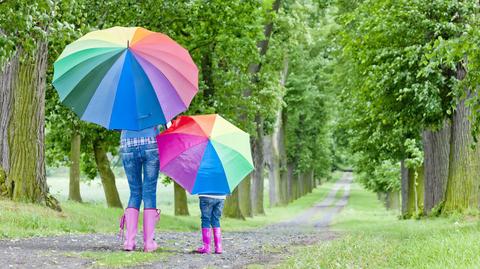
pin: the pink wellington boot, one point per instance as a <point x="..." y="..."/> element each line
<point x="130" y="218"/>
<point x="205" y="249"/>
<point x="217" y="238"/>
<point x="150" y="218"/>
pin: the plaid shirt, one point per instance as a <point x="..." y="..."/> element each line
<point x="137" y="141"/>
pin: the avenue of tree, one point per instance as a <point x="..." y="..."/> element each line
<point x="388" y="87"/>
<point x="261" y="66"/>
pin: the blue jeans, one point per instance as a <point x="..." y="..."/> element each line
<point x="211" y="210"/>
<point x="135" y="159"/>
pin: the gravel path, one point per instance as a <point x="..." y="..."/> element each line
<point x="262" y="246"/>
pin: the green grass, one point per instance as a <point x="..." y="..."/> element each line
<point x="121" y="259"/>
<point x="371" y="237"/>
<point x="25" y="220"/>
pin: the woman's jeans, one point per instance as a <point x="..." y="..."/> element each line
<point x="211" y="210"/>
<point x="135" y="159"/>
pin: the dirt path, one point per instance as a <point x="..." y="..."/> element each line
<point x="260" y="246"/>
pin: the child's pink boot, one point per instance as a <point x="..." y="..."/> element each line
<point x="205" y="249"/>
<point x="217" y="238"/>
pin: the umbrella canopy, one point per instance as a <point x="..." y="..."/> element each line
<point x="126" y="78"/>
<point x="205" y="154"/>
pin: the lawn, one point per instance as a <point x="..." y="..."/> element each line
<point x="24" y="220"/>
<point x="371" y="237"/>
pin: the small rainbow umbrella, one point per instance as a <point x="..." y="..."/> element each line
<point x="126" y="78"/>
<point x="205" y="154"/>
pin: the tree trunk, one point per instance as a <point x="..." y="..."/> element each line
<point x="291" y="187"/>
<point x="312" y="180"/>
<point x="301" y="184"/>
<point x="279" y="137"/>
<point x="257" y="174"/>
<point x="106" y="175"/>
<point x="419" y="190"/>
<point x="74" y="186"/>
<point x="392" y="201"/>
<point x="232" y="206"/>
<point x="180" y="204"/>
<point x="273" y="165"/>
<point x="462" y="191"/>
<point x="412" y="191"/>
<point x="244" y="196"/>
<point x="22" y="127"/>
<point x="436" y="147"/>
<point x="406" y="193"/>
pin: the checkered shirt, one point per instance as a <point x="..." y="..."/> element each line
<point x="137" y="141"/>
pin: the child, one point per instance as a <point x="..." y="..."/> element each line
<point x="211" y="206"/>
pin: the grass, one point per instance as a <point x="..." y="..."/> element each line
<point x="372" y="237"/>
<point x="25" y="220"/>
<point x="122" y="259"/>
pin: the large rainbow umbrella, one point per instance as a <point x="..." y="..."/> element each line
<point x="205" y="154"/>
<point x="126" y="78"/>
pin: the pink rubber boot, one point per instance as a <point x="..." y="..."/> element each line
<point x="205" y="249"/>
<point x="150" y="219"/>
<point x="217" y="238"/>
<point x="130" y="218"/>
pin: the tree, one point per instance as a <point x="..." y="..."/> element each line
<point x="181" y="206"/>
<point x="23" y="57"/>
<point x="403" y="80"/>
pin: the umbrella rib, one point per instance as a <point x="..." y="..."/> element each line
<point x="148" y="54"/>
<point x="166" y="79"/>
<point x="191" y="63"/>
<point x="134" y="59"/>
<point x="89" y="58"/>
<point x="94" y="46"/>
<point x="206" y="140"/>
<point x="94" y="69"/>
<point x="241" y="155"/>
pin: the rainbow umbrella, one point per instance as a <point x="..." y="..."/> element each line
<point x="205" y="154"/>
<point x="126" y="78"/>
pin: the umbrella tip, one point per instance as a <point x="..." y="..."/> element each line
<point x="128" y="43"/>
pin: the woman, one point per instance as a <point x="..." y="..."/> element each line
<point x="139" y="154"/>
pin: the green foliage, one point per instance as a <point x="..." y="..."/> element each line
<point x="308" y="102"/>
<point x="394" y="76"/>
<point x="381" y="177"/>
<point x="23" y="23"/>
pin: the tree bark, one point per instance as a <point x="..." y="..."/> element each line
<point x="22" y="128"/>
<point x="180" y="197"/>
<point x="273" y="166"/>
<point x="436" y="146"/>
<point x="301" y="184"/>
<point x="106" y="175"/>
<point x="280" y="138"/>
<point x="405" y="185"/>
<point x="311" y="180"/>
<point x="244" y="196"/>
<point x="419" y="190"/>
<point x="232" y="206"/>
<point x="291" y="187"/>
<point x="74" y="185"/>
<point x="257" y="179"/>
<point x="412" y="191"/>
<point x="393" y="200"/>
<point x="462" y="191"/>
